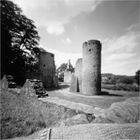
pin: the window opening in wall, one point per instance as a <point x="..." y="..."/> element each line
<point x="44" y="65"/>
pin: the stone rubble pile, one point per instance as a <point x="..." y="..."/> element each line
<point x="38" y="87"/>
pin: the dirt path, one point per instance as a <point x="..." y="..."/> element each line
<point x="96" y="101"/>
<point x="104" y="101"/>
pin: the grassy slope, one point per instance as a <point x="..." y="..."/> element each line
<point x="21" y="115"/>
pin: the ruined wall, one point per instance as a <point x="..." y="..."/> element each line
<point x="47" y="69"/>
<point x="78" y="73"/>
<point x="68" y="72"/>
<point x="33" y="75"/>
<point x="67" y="76"/>
<point x="76" y="80"/>
<point x="91" y="68"/>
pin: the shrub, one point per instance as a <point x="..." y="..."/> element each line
<point x="137" y="77"/>
<point x="126" y="87"/>
<point x="125" y="80"/>
<point x="115" y="79"/>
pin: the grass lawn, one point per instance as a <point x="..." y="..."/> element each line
<point x="22" y="115"/>
<point x="123" y="93"/>
<point x="102" y="101"/>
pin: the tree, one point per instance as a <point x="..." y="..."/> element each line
<point x="137" y="77"/>
<point x="60" y="71"/>
<point x="19" y="41"/>
<point x="64" y="67"/>
<point x="125" y="79"/>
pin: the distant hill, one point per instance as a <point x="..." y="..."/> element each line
<point x="109" y="78"/>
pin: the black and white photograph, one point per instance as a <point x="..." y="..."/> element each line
<point x="70" y="70"/>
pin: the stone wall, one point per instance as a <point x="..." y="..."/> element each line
<point x="47" y="69"/>
<point x="78" y="73"/>
<point x="91" y="70"/>
<point x="67" y="76"/>
<point x="87" y="77"/>
<point x="76" y="79"/>
<point x="68" y="72"/>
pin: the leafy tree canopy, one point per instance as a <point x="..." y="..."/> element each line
<point x="137" y="77"/>
<point x="64" y="67"/>
<point x="19" y="40"/>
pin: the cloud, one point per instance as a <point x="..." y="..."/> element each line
<point x="66" y="41"/>
<point x="121" y="53"/>
<point x="54" y="14"/>
<point x="120" y="57"/>
<point x="61" y="57"/>
<point x="132" y="27"/>
<point x="55" y="29"/>
<point x="125" y="43"/>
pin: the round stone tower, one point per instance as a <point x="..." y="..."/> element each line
<point x="91" y="68"/>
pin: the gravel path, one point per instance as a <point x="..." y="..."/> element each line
<point x="95" y="101"/>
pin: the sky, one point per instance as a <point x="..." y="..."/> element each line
<point x="64" y="25"/>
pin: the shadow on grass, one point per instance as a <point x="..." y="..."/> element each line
<point x="105" y="93"/>
<point x="62" y="86"/>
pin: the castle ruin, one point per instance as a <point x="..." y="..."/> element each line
<point x="87" y="77"/>
<point x="76" y="79"/>
<point x="68" y="72"/>
<point x="46" y="70"/>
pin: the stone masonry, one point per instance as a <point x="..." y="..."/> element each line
<point x="47" y="69"/>
<point x="78" y="74"/>
<point x="87" y="77"/>
<point x="68" y="72"/>
<point x="91" y="70"/>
